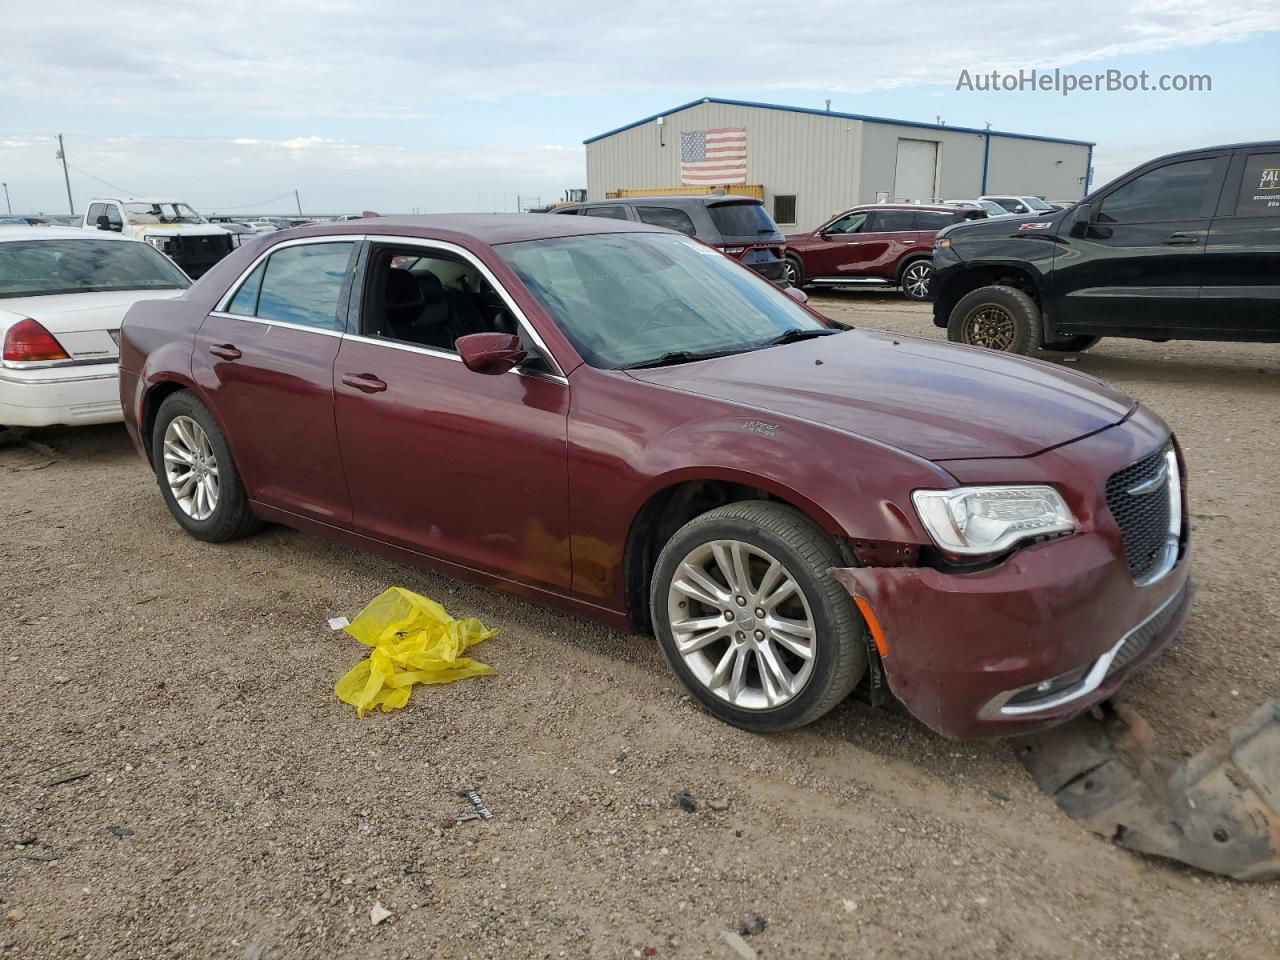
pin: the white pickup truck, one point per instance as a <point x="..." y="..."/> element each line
<point x="172" y="227"/>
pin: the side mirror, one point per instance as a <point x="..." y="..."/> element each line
<point x="796" y="294"/>
<point x="491" y="352"/>
<point x="1081" y="217"/>
<point x="104" y="222"/>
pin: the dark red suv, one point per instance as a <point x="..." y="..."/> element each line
<point x="879" y="244"/>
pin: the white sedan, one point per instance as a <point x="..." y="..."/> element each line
<point x="63" y="294"/>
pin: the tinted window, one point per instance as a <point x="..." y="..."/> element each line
<point x="113" y="215"/>
<point x="888" y="221"/>
<point x="303" y="284"/>
<point x="1172" y="192"/>
<point x="95" y="211"/>
<point x="668" y="217"/>
<point x="245" y="302"/>
<point x="784" y="208"/>
<point x="1260" y="189"/>
<point x="35" y="267"/>
<point x="932" y="220"/>
<point x="741" y="220"/>
<point x="613" y="212"/>
<point x="849" y="223"/>
<point x="567" y="211"/>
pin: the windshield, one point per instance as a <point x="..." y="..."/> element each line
<point x="629" y="298"/>
<point x="40" y="267"/>
<point x="162" y="213"/>
<point x="1035" y="203"/>
<point x="993" y="208"/>
<point x="742" y="220"/>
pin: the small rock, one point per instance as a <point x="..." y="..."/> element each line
<point x="849" y="905"/>
<point x="378" y="913"/>
<point x="685" y="801"/>
<point x="718" y="805"/>
<point x="738" y="944"/>
<point x="752" y="924"/>
<point x="61" y="679"/>
<point x="120" y="831"/>
<point x="14" y="915"/>
<point x="255" y="951"/>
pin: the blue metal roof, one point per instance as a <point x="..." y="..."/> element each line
<point x="846" y="116"/>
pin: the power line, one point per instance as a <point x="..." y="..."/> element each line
<point x="241" y="206"/>
<point x="113" y="186"/>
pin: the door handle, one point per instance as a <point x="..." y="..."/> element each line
<point x="364" y="381"/>
<point x="226" y="351"/>
<point x="1180" y="240"/>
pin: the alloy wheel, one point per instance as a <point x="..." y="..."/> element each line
<point x="789" y="274"/>
<point x="191" y="468"/>
<point x="915" y="281"/>
<point x="991" y="326"/>
<point x="741" y="624"/>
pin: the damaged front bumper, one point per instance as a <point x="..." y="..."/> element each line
<point x="1022" y="646"/>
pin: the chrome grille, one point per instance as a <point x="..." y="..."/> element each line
<point x="1145" y="499"/>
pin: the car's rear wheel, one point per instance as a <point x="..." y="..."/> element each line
<point x="198" y="478"/>
<point x="998" y="318"/>
<point x="793" y="271"/>
<point x="1070" y="344"/>
<point x="915" y="279"/>
<point x="749" y="619"/>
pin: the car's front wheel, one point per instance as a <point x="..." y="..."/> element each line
<point x="916" y="278"/>
<point x="998" y="318"/>
<point x="198" y="478"/>
<point x="750" y="621"/>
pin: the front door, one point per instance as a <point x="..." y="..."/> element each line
<point x="1138" y="266"/>
<point x="265" y="360"/>
<point x="842" y="248"/>
<point x="466" y="467"/>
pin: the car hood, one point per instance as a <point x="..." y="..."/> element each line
<point x="939" y="401"/>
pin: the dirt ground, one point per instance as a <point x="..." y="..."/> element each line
<point x="218" y="800"/>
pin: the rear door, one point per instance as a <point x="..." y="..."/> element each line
<point x="265" y="358"/>
<point x="1240" y="294"/>
<point x="1137" y="268"/>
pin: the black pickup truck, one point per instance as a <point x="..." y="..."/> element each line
<point x="1185" y="247"/>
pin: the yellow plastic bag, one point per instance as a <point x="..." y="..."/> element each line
<point x="414" y="641"/>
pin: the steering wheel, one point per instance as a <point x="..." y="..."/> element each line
<point x="652" y="315"/>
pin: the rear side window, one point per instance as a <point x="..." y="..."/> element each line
<point x="245" y="302"/>
<point x="1260" y="189"/>
<point x="302" y="285"/>
<point x="668" y="217"/>
<point x="933" y="221"/>
<point x="742" y="220"/>
<point x="1171" y="192"/>
<point x="893" y="221"/>
<point x="612" y="212"/>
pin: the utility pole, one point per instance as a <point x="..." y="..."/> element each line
<point x="298" y="202"/>
<point x="6" y="199"/>
<point x="62" y="155"/>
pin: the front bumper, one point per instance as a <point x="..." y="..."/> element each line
<point x="959" y="646"/>
<point x="45" y="396"/>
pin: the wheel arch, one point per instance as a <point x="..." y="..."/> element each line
<point x="1015" y="275"/>
<point x="681" y="496"/>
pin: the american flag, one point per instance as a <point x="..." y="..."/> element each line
<point x="712" y="157"/>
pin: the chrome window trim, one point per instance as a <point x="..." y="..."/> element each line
<point x="521" y="320"/>
<point x="276" y="323"/>
<point x="446" y="355"/>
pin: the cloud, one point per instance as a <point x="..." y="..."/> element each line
<point x="359" y="58"/>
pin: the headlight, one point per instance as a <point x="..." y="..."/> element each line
<point x="982" y="520"/>
<point x="160" y="243"/>
<point x="942" y="243"/>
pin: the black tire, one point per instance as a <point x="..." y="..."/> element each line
<point x="231" y="517"/>
<point x="839" y="647"/>
<point x="916" y="279"/>
<point x="1070" y="344"/>
<point x="793" y="272"/>
<point x="999" y="318"/>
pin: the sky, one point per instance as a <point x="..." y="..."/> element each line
<point x="427" y="106"/>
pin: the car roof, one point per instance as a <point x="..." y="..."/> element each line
<point x="927" y="207"/>
<point x="677" y="200"/>
<point x="15" y="232"/>
<point x="488" y="228"/>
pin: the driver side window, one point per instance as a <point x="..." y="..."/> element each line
<point x="849" y="223"/>
<point x="429" y="298"/>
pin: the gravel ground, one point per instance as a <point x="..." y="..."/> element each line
<point x="218" y="800"/>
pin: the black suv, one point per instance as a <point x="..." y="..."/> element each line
<point x="739" y="227"/>
<point x="1186" y="247"/>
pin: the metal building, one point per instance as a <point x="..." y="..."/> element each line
<point x="811" y="163"/>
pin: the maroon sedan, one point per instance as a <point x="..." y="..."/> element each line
<point x="879" y="245"/>
<point x="615" y="419"/>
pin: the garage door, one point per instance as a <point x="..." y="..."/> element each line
<point x="917" y="170"/>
